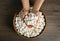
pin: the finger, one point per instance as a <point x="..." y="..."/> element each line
<point x="23" y="15"/>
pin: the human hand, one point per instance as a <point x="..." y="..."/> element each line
<point x="37" y="14"/>
<point x="23" y="14"/>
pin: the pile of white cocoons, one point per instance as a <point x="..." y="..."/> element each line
<point x="30" y="19"/>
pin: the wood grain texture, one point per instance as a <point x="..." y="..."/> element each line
<point x="51" y="32"/>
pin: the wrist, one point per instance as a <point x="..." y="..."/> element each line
<point x="35" y="11"/>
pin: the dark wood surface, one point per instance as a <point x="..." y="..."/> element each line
<point x="51" y="32"/>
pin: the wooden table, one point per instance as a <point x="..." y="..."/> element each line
<point x="51" y="32"/>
